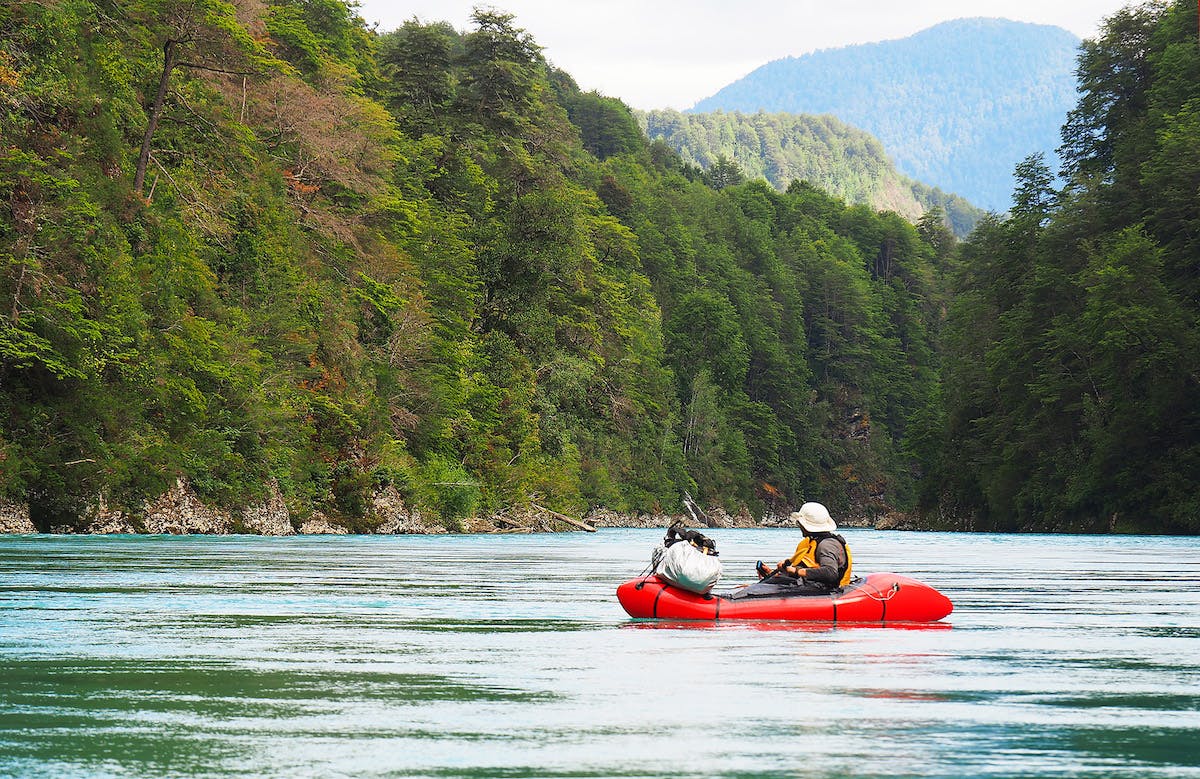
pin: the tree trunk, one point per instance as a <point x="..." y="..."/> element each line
<point x="139" y="178"/>
<point x="15" y="317"/>
<point x="564" y="518"/>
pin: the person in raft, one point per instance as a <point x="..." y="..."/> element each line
<point x="822" y="561"/>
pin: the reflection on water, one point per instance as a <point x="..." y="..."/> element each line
<point x="508" y="656"/>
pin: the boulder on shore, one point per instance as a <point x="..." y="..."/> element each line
<point x="109" y="523"/>
<point x="896" y="520"/>
<point x="99" y="519"/>
<point x="395" y="518"/>
<point x="178" y="511"/>
<point x="602" y="517"/>
<point x="14" y="518"/>
<point x="320" y="525"/>
<point x="270" y="516"/>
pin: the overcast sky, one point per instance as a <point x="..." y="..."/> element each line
<point x="672" y="53"/>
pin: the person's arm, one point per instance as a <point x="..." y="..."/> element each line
<point x="829" y="559"/>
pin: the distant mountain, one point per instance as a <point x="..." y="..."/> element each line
<point x="830" y="154"/>
<point x="957" y="105"/>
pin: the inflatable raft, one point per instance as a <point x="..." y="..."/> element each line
<point x="879" y="597"/>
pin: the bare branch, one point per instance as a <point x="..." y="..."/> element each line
<point x="210" y="68"/>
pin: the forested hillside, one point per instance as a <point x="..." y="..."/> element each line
<point x="956" y="106"/>
<point x="782" y="148"/>
<point x="256" y="241"/>
<point x="1072" y="381"/>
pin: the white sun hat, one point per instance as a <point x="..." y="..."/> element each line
<point x="814" y="518"/>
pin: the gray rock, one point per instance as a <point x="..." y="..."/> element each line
<point x="102" y="520"/>
<point x="111" y="523"/>
<point x="896" y="520"/>
<point x="602" y="517"/>
<point x="270" y="517"/>
<point x="720" y="518"/>
<point x="320" y="525"/>
<point x="388" y="508"/>
<point x="780" y="520"/>
<point x="14" y="518"/>
<point x="179" y="511"/>
<point x="860" y="520"/>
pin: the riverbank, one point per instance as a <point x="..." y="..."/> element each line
<point x="179" y="511"/>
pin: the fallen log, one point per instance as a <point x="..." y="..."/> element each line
<point x="565" y="518"/>
<point x="513" y="523"/>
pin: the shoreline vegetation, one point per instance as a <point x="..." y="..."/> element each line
<point x="180" y="512"/>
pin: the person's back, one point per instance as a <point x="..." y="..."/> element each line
<point x="822" y="557"/>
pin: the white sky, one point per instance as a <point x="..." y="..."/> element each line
<point x="672" y="53"/>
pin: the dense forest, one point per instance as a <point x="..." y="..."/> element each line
<point x="829" y="154"/>
<point x="253" y="241"/>
<point x="1072" y="348"/>
<point x="956" y="106"/>
<point x="258" y="242"/>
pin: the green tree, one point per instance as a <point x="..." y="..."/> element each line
<point x="202" y="34"/>
<point x="501" y="65"/>
<point x="724" y="173"/>
<point x="416" y="62"/>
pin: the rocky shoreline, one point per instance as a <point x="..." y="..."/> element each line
<point x="179" y="511"/>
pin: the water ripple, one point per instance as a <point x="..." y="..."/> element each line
<point x="508" y="656"/>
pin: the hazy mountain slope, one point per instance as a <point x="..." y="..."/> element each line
<point x="957" y="105"/>
<point x="821" y="150"/>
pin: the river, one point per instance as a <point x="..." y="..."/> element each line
<point x="509" y="656"/>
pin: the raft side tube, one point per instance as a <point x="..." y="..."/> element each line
<point x="882" y="597"/>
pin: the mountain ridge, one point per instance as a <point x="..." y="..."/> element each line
<point x="956" y="105"/>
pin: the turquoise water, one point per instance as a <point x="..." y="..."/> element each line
<point x="508" y="656"/>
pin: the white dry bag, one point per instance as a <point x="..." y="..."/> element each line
<point x="688" y="568"/>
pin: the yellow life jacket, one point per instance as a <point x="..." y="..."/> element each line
<point x="806" y="556"/>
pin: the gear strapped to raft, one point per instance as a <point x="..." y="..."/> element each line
<point x="677" y="532"/>
<point x="687" y="558"/>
